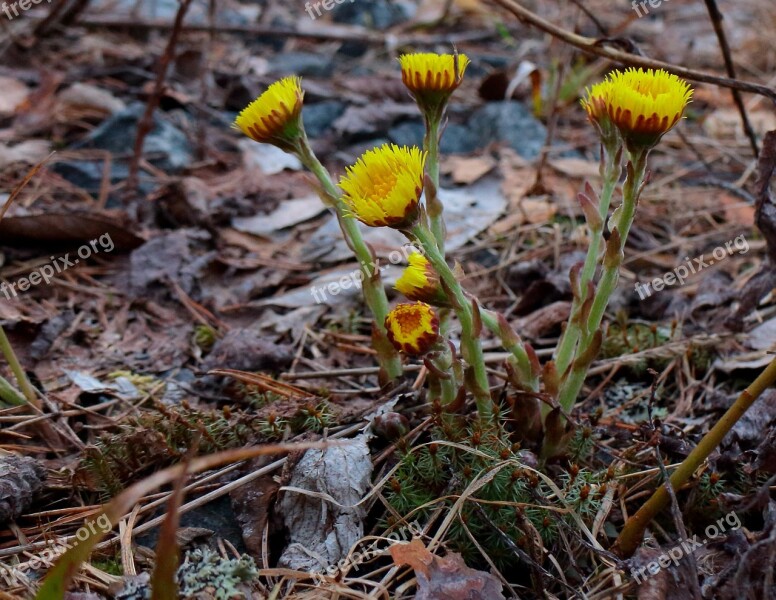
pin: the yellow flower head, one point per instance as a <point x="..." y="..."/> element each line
<point x="412" y="328"/>
<point x="432" y="78"/>
<point x="384" y="187"/>
<point x="420" y="281"/>
<point x="643" y="105"/>
<point x="273" y="118"/>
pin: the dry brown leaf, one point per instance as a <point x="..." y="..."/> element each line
<point x="725" y="123"/>
<point x="737" y="211"/>
<point x="414" y="555"/>
<point x="467" y="170"/>
<point x="29" y="152"/>
<point x="14" y="94"/>
<point x="445" y="578"/>
<point x="528" y="210"/>
<point x="576" y="167"/>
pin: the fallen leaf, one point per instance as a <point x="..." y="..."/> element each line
<point x="288" y="214"/>
<point x="414" y="555"/>
<point x="446" y="578"/>
<point x="84" y="99"/>
<point x="320" y="505"/>
<point x="576" y="167"/>
<point x="737" y="210"/>
<point x="14" y="94"/>
<point x="266" y="158"/>
<point x="466" y="170"/>
<point x="725" y="123"/>
<point x="67" y="227"/>
<point x="29" y="152"/>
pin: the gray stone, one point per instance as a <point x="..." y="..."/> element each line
<point x="510" y="122"/>
<point x="318" y="118"/>
<point x="304" y="64"/>
<point x="376" y="14"/>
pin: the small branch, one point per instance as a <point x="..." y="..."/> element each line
<point x="319" y="32"/>
<point x="146" y="123"/>
<point x="716" y="20"/>
<point x="593" y="46"/>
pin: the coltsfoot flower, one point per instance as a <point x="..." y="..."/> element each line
<point x="432" y="78"/>
<point x="642" y="105"/>
<point x="384" y="187"/>
<point x="273" y="118"/>
<point x="413" y="328"/>
<point x="420" y="281"/>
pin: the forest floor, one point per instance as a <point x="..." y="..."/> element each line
<point x="193" y="296"/>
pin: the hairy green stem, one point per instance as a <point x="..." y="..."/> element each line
<point x="374" y="292"/>
<point x="18" y="371"/>
<point x="632" y="533"/>
<point x="572" y="384"/>
<point x="9" y="394"/>
<point x="514" y="345"/>
<point x="611" y="175"/>
<point x="434" y="205"/>
<point x="471" y="349"/>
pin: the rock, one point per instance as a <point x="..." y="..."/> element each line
<point x="319" y="118"/>
<point x="407" y="133"/>
<point x="21" y="478"/>
<point x="118" y="133"/>
<point x="166" y="147"/>
<point x="304" y="64"/>
<point x="509" y="122"/>
<point x="378" y="14"/>
<point x="248" y="350"/>
<point x="456" y="139"/>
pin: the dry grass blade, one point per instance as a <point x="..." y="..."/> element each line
<point x="164" y="585"/>
<point x="59" y="577"/>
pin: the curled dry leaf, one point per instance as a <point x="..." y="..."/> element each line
<point x="446" y="578"/>
<point x="319" y="506"/>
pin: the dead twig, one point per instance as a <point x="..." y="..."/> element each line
<point x="320" y="32"/>
<point x="716" y="21"/>
<point x="146" y="123"/>
<point x="595" y="47"/>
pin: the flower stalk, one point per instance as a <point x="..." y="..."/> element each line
<point x="610" y="175"/>
<point x="471" y="348"/>
<point x="589" y="323"/>
<point x="21" y="377"/>
<point x="434" y="207"/>
<point x="374" y="292"/>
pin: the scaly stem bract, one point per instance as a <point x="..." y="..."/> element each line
<point x="611" y="175"/>
<point x="374" y="292"/>
<point x="471" y="349"/>
<point x="522" y="361"/>
<point x="574" y="380"/>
